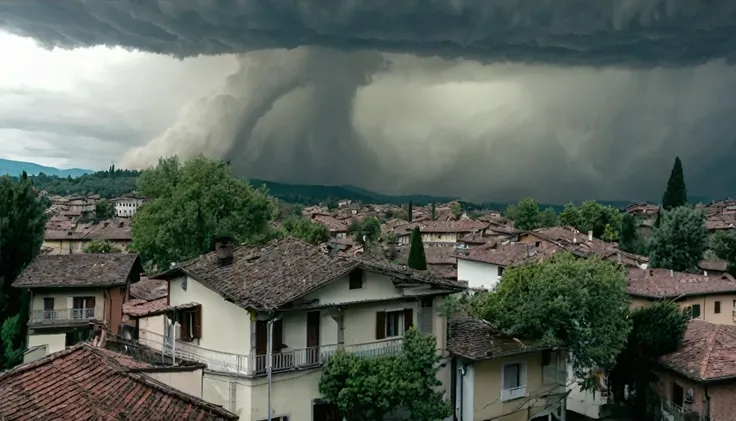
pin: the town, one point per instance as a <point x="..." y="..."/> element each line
<point x="199" y="296"/>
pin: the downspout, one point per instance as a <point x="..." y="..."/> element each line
<point x="459" y="398"/>
<point x="707" y="403"/>
<point x="30" y="315"/>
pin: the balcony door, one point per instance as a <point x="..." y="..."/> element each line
<point x="48" y="308"/>
<point x="84" y="308"/>
<point x="262" y="344"/>
<point x="313" y="322"/>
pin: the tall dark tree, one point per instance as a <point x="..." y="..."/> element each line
<point x="434" y="212"/>
<point x="627" y="240"/>
<point x="409" y="212"/>
<point x="680" y="240"/>
<point x="676" y="193"/>
<point x="417" y="259"/>
<point x="22" y="222"/>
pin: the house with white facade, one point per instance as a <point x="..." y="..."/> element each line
<point x="439" y="232"/>
<point x="127" y="206"/>
<point x="226" y="307"/>
<point x="482" y="267"/>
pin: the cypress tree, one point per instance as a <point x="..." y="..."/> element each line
<point x="417" y="259"/>
<point x="434" y="211"/>
<point x="409" y="212"/>
<point x="676" y="193"/>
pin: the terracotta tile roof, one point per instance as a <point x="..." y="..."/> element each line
<point x="442" y="227"/>
<point x="440" y="255"/>
<point x="720" y="221"/>
<point x="708" y="352"/>
<point x="475" y="238"/>
<point x="79" y="270"/>
<point x="267" y="277"/>
<point x="141" y="308"/>
<point x="149" y="289"/>
<point x="505" y="254"/>
<point x="87" y="384"/>
<point x="662" y="283"/>
<point x="112" y="230"/>
<point x="475" y="339"/>
<point x="332" y="224"/>
<point x="716" y="265"/>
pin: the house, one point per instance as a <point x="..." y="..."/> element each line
<point x="338" y="228"/>
<point x="70" y="238"/>
<point x="127" y="206"/>
<point x="222" y="306"/>
<point x="85" y="383"/>
<point x="482" y="267"/>
<point x="711" y="299"/>
<point x="698" y="381"/>
<point x="143" y="311"/>
<point x="500" y="378"/>
<point x="71" y="293"/>
<point x="441" y="232"/>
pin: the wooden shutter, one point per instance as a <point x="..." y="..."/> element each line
<point x="381" y="325"/>
<point x="408" y="318"/>
<point x="197" y="316"/>
<point x="184" y="322"/>
<point x="278" y="337"/>
<point x="90" y="302"/>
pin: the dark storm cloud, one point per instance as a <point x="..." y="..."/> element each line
<point x="642" y="81"/>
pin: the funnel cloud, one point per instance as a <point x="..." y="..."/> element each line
<point x="485" y="100"/>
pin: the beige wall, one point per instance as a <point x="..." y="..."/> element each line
<point x="36" y="354"/>
<point x="77" y="246"/>
<point x="707" y="307"/>
<point x="64" y="298"/>
<point x="189" y="382"/>
<point x="375" y="287"/>
<point x="54" y="342"/>
<point x="487" y="402"/>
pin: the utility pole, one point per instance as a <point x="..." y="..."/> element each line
<point x="269" y="358"/>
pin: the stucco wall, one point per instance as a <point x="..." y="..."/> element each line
<point x="187" y="381"/>
<point x="54" y="342"/>
<point x="64" y="298"/>
<point x="707" y="307"/>
<point x="477" y="274"/>
<point x="225" y="326"/>
<point x="375" y="287"/>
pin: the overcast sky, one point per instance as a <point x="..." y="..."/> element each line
<point x="85" y="107"/>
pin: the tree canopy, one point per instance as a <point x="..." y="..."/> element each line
<point x="417" y="259"/>
<point x="306" y="230"/>
<point x="368" y="388"/>
<point x="104" y="209"/>
<point x="527" y="215"/>
<point x="723" y="244"/>
<point x="580" y="302"/>
<point x="191" y="204"/>
<point x="676" y="193"/>
<point x="22" y="223"/>
<point x="680" y="240"/>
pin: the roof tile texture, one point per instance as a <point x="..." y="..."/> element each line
<point x="662" y="283"/>
<point x="708" y="352"/>
<point x="78" y="270"/>
<point x="476" y="339"/>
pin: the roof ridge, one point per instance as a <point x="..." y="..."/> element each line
<point x="710" y="343"/>
<point x="40" y="362"/>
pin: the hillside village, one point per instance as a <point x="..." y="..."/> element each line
<point x="251" y="331"/>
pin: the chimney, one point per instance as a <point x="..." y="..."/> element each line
<point x="705" y="273"/>
<point x="590" y="235"/>
<point x="672" y="273"/>
<point x="574" y="240"/>
<point x="224" y="251"/>
<point x="618" y="255"/>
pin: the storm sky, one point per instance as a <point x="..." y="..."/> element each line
<point x="485" y="100"/>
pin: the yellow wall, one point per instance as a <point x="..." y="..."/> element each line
<point x="707" y="307"/>
<point x="189" y="382"/>
<point x="54" y="342"/>
<point x="487" y="402"/>
<point x="76" y="246"/>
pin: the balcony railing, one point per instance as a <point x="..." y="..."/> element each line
<point x="513" y="393"/>
<point x="257" y="364"/>
<point x="679" y="413"/>
<point x="65" y="315"/>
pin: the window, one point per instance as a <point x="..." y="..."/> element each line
<point x="191" y="324"/>
<point x="537" y="243"/>
<point x="513" y="381"/>
<point x="83" y="307"/>
<point x="546" y="357"/>
<point x="695" y="311"/>
<point x="356" y="279"/>
<point x="717" y="309"/>
<point x="392" y="324"/>
<point x="48" y="308"/>
<point x="500" y="270"/>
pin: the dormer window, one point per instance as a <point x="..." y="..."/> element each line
<point x="356" y="279"/>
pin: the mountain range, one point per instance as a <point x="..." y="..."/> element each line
<point x="15" y="168"/>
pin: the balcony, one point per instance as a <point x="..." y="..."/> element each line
<point x="254" y="365"/>
<point x="513" y="393"/>
<point x="674" y="412"/>
<point x="60" y="317"/>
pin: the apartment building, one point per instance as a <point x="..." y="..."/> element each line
<point x="72" y="293"/>
<point x="222" y="306"/>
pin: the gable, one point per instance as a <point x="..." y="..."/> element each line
<point x="373" y="287"/>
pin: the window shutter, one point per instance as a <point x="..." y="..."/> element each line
<point x="197" y="323"/>
<point x="184" y="326"/>
<point x="381" y="325"/>
<point x="408" y="318"/>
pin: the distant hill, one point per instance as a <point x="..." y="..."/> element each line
<point x="15" y="168"/>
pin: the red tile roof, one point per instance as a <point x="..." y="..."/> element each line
<point x="79" y="270"/>
<point x="475" y="339"/>
<point x="663" y="283"/>
<point x="141" y="308"/>
<point x="464" y="226"/>
<point x="707" y="352"/>
<point x="85" y="383"/>
<point x="505" y="254"/>
<point x="149" y="289"/>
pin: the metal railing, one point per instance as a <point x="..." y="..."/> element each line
<point x="679" y="413"/>
<point x="65" y="315"/>
<point x="288" y="359"/>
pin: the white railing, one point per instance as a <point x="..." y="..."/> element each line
<point x="678" y="413"/>
<point x="65" y="315"/>
<point x="552" y="375"/>
<point x="513" y="393"/>
<point x="256" y="364"/>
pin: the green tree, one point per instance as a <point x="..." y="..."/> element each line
<point x="680" y="240"/>
<point x="456" y="209"/>
<point x="100" y="246"/>
<point x="570" y="216"/>
<point x="526" y="214"/>
<point x="723" y="244"/>
<point x="417" y="259"/>
<point x="627" y="239"/>
<point x="595" y="216"/>
<point x="306" y="230"/>
<point x="410" y="212"/>
<point x="581" y="303"/>
<point x="104" y="209"/>
<point x="331" y="203"/>
<point x="676" y="193"/>
<point x="368" y="388"/>
<point x="370" y="228"/>
<point x="548" y="218"/>
<point x="22" y="223"/>
<point x="510" y="212"/>
<point x="657" y="329"/>
<point x="193" y="203"/>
